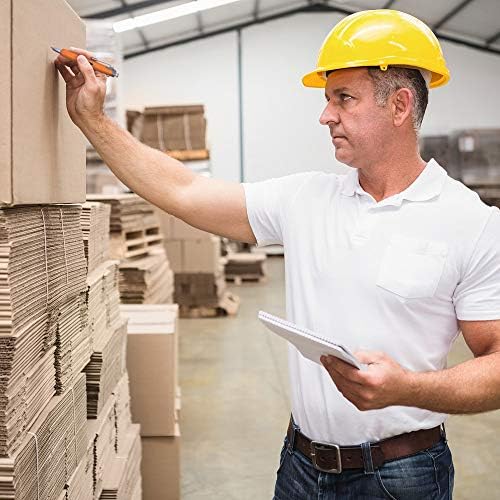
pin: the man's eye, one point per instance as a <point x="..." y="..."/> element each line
<point x="345" y="97"/>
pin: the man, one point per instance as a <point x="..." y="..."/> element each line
<point x="394" y="258"/>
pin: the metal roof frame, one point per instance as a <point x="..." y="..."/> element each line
<point x="452" y="13"/>
<point x="312" y="7"/>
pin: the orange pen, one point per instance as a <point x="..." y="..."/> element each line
<point x="100" y="66"/>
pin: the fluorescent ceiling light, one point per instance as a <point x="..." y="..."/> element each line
<point x="160" y="16"/>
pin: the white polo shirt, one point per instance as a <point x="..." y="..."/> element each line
<point x="392" y="276"/>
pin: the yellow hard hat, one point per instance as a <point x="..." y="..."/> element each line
<point x="380" y="38"/>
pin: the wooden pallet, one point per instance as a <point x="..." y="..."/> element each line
<point x="228" y="305"/>
<point x="189" y="154"/>
<point x="238" y="279"/>
<point x="139" y="243"/>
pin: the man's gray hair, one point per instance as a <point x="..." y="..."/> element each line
<point x="395" y="78"/>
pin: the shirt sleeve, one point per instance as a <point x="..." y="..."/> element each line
<point x="477" y="295"/>
<point x="268" y="203"/>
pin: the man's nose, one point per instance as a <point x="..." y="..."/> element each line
<point x="329" y="115"/>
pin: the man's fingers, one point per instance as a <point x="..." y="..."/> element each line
<point x="369" y="357"/>
<point x="87" y="70"/>
<point x="65" y="72"/>
<point x="344" y="369"/>
<point x="83" y="52"/>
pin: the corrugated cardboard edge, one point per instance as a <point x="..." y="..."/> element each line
<point x="6" y="102"/>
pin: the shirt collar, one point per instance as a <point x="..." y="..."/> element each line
<point x="426" y="186"/>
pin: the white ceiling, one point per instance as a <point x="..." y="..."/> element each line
<point x="474" y="21"/>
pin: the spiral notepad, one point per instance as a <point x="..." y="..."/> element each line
<point x="309" y="344"/>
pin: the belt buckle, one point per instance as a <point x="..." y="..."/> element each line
<point x="317" y="445"/>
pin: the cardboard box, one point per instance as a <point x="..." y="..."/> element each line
<point x="202" y="256"/>
<point x="182" y="231"/>
<point x="176" y="229"/>
<point x="42" y="154"/>
<point x="152" y="351"/>
<point x="161" y="468"/>
<point x="174" y="251"/>
<point x="174" y="127"/>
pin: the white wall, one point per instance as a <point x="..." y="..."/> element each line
<point x="203" y="72"/>
<point x="280" y="117"/>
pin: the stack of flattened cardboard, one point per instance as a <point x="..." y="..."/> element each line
<point x="41" y="269"/>
<point x="177" y="130"/>
<point x="81" y="483"/>
<point x="50" y="451"/>
<point x="152" y="352"/>
<point x="95" y="228"/>
<point x="136" y="240"/>
<point x="103" y="300"/>
<point x="106" y="367"/>
<point x="129" y="212"/>
<point x="195" y="257"/>
<point x="107" y="402"/>
<point x="122" y="410"/>
<point x="148" y="280"/>
<point x="122" y="477"/>
<point x="102" y="432"/>
<point x="246" y="266"/>
<point x="73" y="346"/>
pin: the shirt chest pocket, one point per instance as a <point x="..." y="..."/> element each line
<point x="412" y="268"/>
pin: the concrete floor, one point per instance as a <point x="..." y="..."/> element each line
<point x="235" y="409"/>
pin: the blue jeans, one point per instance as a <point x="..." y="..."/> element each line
<point x="427" y="475"/>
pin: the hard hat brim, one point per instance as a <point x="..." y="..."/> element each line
<point x="317" y="78"/>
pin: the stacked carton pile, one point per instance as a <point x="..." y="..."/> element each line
<point x="245" y="266"/>
<point x="195" y="257"/>
<point x="112" y="471"/>
<point x="44" y="347"/>
<point x="44" y="341"/>
<point x="136" y="241"/>
<point x="155" y="397"/>
<point x="47" y="449"/>
<point x="179" y="131"/>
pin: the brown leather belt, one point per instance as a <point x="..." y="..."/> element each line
<point x="332" y="458"/>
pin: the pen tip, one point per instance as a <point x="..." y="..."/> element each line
<point x="55" y="49"/>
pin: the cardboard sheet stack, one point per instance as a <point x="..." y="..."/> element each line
<point x="110" y="467"/>
<point x="136" y="240"/>
<point x="179" y="131"/>
<point x="95" y="228"/>
<point x="42" y="274"/>
<point x="245" y="266"/>
<point x="50" y="451"/>
<point x="195" y="257"/>
<point x="43" y="348"/>
<point x="155" y="397"/>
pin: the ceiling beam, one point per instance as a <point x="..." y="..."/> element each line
<point x="140" y="32"/>
<point x="451" y="13"/>
<point x="256" y="8"/>
<point x="493" y="38"/>
<point x="388" y="4"/>
<point x="125" y="9"/>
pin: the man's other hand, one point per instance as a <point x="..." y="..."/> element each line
<point x="383" y="382"/>
<point x="85" y="88"/>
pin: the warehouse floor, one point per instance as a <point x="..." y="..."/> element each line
<point x="235" y="409"/>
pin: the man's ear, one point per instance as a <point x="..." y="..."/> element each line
<point x="402" y="104"/>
